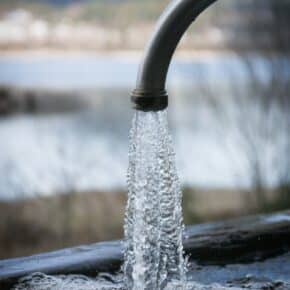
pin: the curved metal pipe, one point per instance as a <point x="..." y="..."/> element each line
<point x="150" y="93"/>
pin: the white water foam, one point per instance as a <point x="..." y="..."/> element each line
<point x="39" y="281"/>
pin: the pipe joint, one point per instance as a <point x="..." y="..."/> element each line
<point x="151" y="100"/>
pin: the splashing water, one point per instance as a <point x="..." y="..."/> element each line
<point x="40" y="281"/>
<point x="153" y="225"/>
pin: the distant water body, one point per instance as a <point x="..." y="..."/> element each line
<point x="87" y="150"/>
<point x="90" y="71"/>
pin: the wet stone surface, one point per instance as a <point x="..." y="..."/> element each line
<point x="250" y="284"/>
<point x="269" y="274"/>
<point x="246" y="253"/>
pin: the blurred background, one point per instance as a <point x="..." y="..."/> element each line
<point x="66" y="71"/>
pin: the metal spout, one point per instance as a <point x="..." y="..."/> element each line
<point x="150" y="93"/>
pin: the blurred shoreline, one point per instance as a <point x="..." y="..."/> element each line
<point x="66" y="220"/>
<point x="99" y="26"/>
<point x="134" y="54"/>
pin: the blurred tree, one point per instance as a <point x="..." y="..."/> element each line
<point x="260" y="112"/>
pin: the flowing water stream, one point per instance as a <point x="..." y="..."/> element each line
<point x="153" y="225"/>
